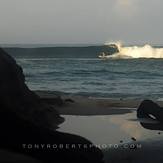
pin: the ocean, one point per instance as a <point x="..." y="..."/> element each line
<point x="133" y="72"/>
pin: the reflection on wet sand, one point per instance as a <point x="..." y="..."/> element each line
<point x="131" y="137"/>
<point x="150" y="117"/>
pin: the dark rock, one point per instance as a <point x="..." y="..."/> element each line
<point x="54" y="101"/>
<point x="18" y="134"/>
<point x="15" y="95"/>
<point x="121" y="141"/>
<point x="151" y="110"/>
<point x="69" y="100"/>
<point x="132" y="138"/>
<point x="26" y="119"/>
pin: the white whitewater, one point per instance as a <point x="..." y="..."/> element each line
<point x="145" y="51"/>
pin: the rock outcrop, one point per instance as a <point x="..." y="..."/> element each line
<point x="151" y="110"/>
<point x="25" y="119"/>
<point x="16" y="96"/>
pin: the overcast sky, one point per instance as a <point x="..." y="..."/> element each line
<point x="81" y="21"/>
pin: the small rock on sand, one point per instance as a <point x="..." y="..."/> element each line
<point x="132" y="138"/>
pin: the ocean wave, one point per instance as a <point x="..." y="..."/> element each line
<point x="93" y="83"/>
<point x="146" y="51"/>
<point x="51" y="58"/>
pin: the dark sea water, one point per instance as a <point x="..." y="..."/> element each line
<point x="79" y="71"/>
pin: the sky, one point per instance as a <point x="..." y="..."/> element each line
<point x="81" y="21"/>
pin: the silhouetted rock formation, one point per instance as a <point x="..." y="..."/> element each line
<point x="25" y="119"/>
<point x="150" y="110"/>
<point x="15" y="95"/>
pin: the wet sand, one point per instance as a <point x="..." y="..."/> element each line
<point x="119" y="125"/>
<point x="120" y="137"/>
<point x="92" y="106"/>
<point x="86" y="106"/>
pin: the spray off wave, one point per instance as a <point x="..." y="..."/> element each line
<point x="145" y="51"/>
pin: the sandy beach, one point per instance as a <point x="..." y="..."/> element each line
<point x="101" y="113"/>
<point x="79" y="105"/>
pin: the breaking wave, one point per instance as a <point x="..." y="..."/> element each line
<point x="146" y="51"/>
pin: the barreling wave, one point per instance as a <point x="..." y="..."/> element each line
<point x="145" y="51"/>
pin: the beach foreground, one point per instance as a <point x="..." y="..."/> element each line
<point x="79" y="105"/>
<point x="135" y="143"/>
